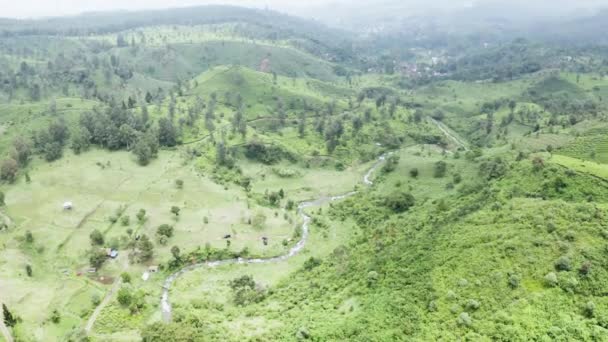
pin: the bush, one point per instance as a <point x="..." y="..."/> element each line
<point x="179" y="184"/>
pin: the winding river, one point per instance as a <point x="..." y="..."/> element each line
<point x="166" y="304"/>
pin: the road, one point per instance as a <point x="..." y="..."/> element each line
<point x="106" y="300"/>
<point x="165" y="304"/>
<point x="443" y="128"/>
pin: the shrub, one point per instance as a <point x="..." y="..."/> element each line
<point x="589" y="309"/>
<point x="179" y="184"/>
<point x="464" y="319"/>
<point x="126" y="277"/>
<point x="96" y="238"/>
<point x="311" y="263"/>
<point x="165" y="230"/>
<point x="55" y="316"/>
<point x="259" y="221"/>
<point x="563" y="264"/>
<point x="414" y="173"/>
<point x="124" y="296"/>
<point x="141" y="215"/>
<point x="440" y="169"/>
<point x="551" y="279"/>
<point x="125" y="220"/>
<point x="472" y="304"/>
<point x="95" y="299"/>
<point x="514" y="281"/>
<point x="372" y="278"/>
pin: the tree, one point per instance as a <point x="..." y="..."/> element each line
<point x="8" y="170"/>
<point x="141" y="215"/>
<point x="28" y="270"/>
<point x="29" y="238"/>
<point x="414" y="173"/>
<point x="512" y="106"/>
<point x="175" y="210"/>
<point x="192" y="330"/>
<point x="9" y="320"/>
<point x="165" y="230"/>
<point x="221" y="154"/>
<point x="2" y="199"/>
<point x="52" y="151"/>
<point x="440" y="169"/>
<point x="55" y="316"/>
<point x="97" y="257"/>
<point x="96" y="238"/>
<point x="124" y="296"/>
<point x="175" y="252"/>
<point x="142" y="151"/>
<point x="126" y="277"/>
<point x="146" y="248"/>
<point x="125" y="220"/>
<point x="21" y="151"/>
<point x="391" y="164"/>
<point x="167" y="134"/>
<point x="400" y="201"/>
<point x="81" y="140"/>
<point x="179" y="183"/>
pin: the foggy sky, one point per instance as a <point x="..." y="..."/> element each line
<point x="42" y="8"/>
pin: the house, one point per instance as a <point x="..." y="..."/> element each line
<point x="68" y="206"/>
<point x="153" y="269"/>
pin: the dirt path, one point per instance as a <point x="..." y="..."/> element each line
<point x="445" y="130"/>
<point x="106" y="300"/>
<point x="4" y="329"/>
<point x="165" y="304"/>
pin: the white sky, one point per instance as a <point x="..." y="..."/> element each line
<point x="38" y="8"/>
<point x="41" y="8"/>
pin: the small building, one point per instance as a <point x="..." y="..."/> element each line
<point x="111" y="253"/>
<point x="153" y="269"/>
<point x="68" y="206"/>
<point x="92" y="270"/>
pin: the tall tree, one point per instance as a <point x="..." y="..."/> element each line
<point x="9" y="320"/>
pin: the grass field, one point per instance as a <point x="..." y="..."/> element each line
<point x="98" y="183"/>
